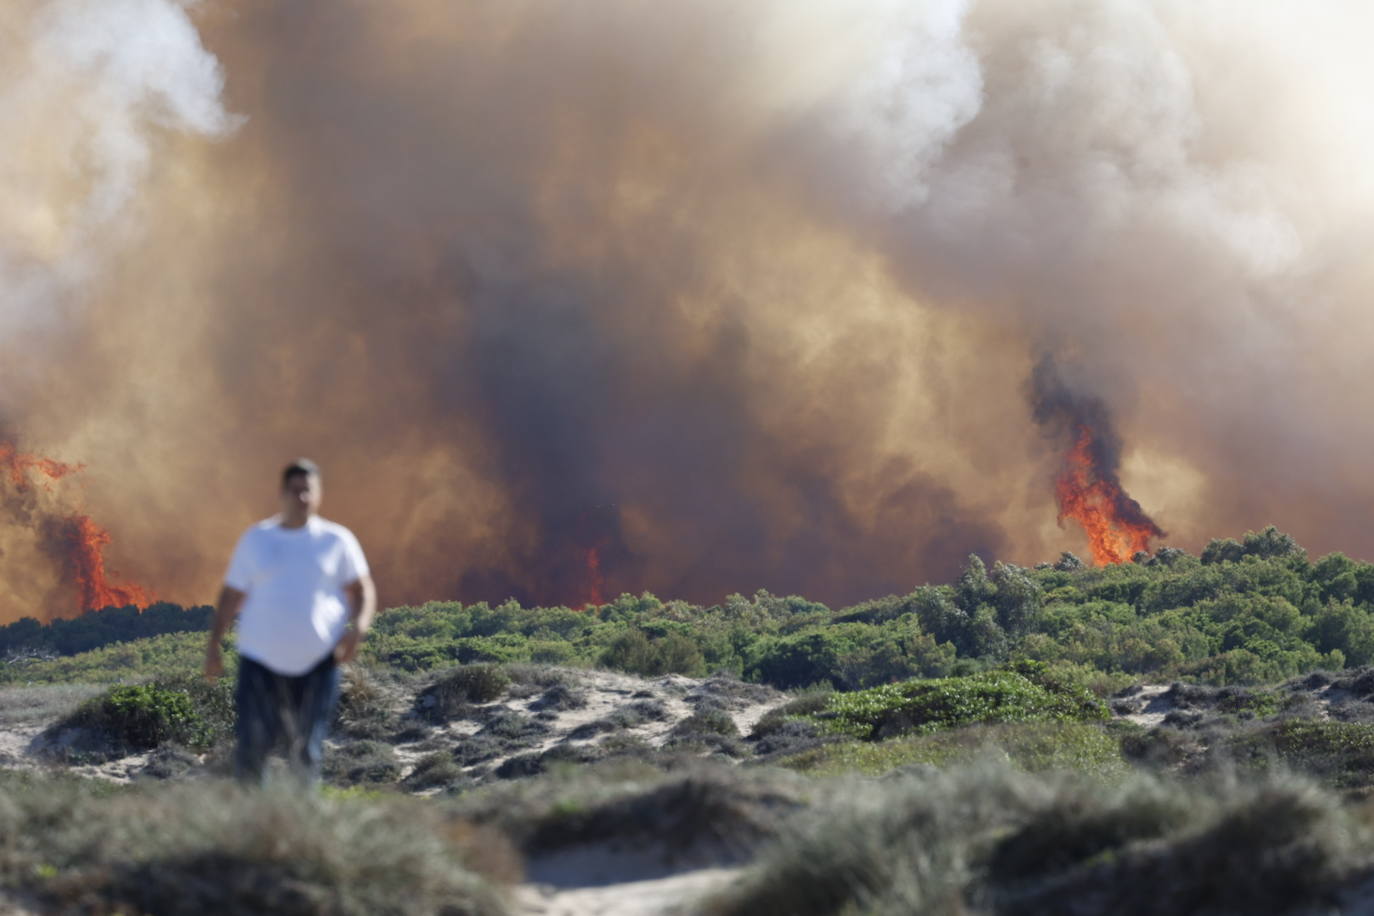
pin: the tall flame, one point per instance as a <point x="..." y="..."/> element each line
<point x="86" y="542"/>
<point x="596" y="583"/>
<point x="1116" y="526"/>
<point x="79" y="542"/>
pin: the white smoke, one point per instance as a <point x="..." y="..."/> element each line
<point x="89" y="90"/>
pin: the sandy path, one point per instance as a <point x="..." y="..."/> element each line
<point x="673" y="895"/>
<point x="1153" y="705"/>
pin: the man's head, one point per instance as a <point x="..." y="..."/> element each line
<point x="300" y="491"/>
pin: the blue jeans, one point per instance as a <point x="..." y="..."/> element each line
<point x="277" y="708"/>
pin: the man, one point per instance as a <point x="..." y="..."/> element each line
<point x="299" y="586"/>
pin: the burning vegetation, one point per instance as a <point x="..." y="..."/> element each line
<point x="1087" y="488"/>
<point x="72" y="541"/>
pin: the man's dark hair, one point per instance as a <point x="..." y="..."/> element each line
<point x="301" y="467"/>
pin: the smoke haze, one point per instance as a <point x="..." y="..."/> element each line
<point x="737" y="296"/>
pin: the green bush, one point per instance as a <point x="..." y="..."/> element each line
<point x="634" y="652"/>
<point x="144" y="716"/>
<point x="925" y="706"/>
<point x="455" y="690"/>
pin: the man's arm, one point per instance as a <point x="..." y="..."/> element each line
<point x="362" y="607"/>
<point x="226" y="609"/>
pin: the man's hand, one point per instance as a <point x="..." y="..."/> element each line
<point x="226" y="609"/>
<point x="347" y="649"/>
<point x="214" y="663"/>
<point x="362" y="604"/>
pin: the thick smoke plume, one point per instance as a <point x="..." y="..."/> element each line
<point x="573" y="299"/>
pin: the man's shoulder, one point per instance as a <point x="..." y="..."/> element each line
<point x="327" y="528"/>
<point x="259" y="529"/>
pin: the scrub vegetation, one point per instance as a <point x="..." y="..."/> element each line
<point x="1252" y="611"/>
<point x="1053" y="739"/>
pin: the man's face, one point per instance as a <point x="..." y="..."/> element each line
<point x="301" y="494"/>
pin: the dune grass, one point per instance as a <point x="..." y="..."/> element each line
<point x="210" y="847"/>
<point x="1033" y="746"/>
<point x="989" y="838"/>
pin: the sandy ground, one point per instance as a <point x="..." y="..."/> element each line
<point x="605" y="692"/>
<point x="602" y="879"/>
<point x="670" y="895"/>
<point x="1153" y="705"/>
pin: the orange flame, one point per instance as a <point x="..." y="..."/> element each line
<point x="18" y="465"/>
<point x="80" y="539"/>
<point x="1116" y="526"/>
<point x="86" y="543"/>
<point x="596" y="583"/>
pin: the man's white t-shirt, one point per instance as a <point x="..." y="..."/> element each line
<point x="295" y="612"/>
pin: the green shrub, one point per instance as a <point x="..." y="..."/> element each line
<point x="455" y="690"/>
<point x="144" y="716"/>
<point x="634" y="652"/>
<point x="925" y="706"/>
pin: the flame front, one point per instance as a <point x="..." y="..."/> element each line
<point x="1116" y="526"/>
<point x="79" y="542"/>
